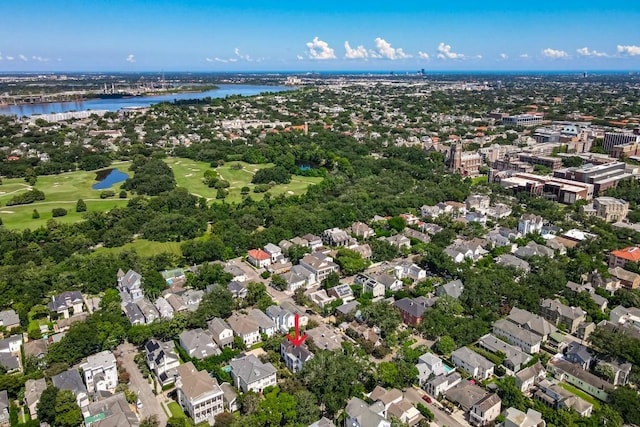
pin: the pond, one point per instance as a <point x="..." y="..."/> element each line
<point x="108" y="177"/>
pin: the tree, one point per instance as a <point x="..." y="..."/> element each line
<point x="445" y="345"/>
<point x="511" y="394"/>
<point x="56" y="212"/>
<point x="278" y="282"/>
<point x="152" y="421"/>
<point x="81" y="206"/>
<point x="47" y="405"/>
<point x="383" y="315"/>
<point x="122" y="194"/>
<point x="350" y="261"/>
<point x="68" y="412"/>
<point x="397" y="223"/>
<point x="35" y="214"/>
<point x="626" y="401"/>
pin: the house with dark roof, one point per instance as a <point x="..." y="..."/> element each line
<point x="579" y="354"/>
<point x="9" y="319"/>
<point x="514" y="358"/>
<point x="294" y="357"/>
<point x="554" y="396"/>
<point x="238" y="289"/>
<point x="485" y="411"/>
<point x="452" y="289"/>
<point x="198" y="343"/>
<point x="580" y="378"/>
<point x="4" y="408"/>
<point x="221" y="332"/>
<point x="560" y="314"/>
<point x="478" y="366"/>
<point x="133" y="313"/>
<point x="71" y="380"/>
<point x="335" y="237"/>
<point x="113" y="411"/>
<point x="249" y="373"/>
<point x="67" y="303"/>
<point x="531" y="322"/>
<point x="412" y="310"/>
<point x="342" y="291"/>
<point x="522" y="338"/>
<point x="162" y="359"/>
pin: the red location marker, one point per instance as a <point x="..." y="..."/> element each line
<point x="297" y="339"/>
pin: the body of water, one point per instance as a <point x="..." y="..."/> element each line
<point x="113" y="177"/>
<point x="135" y="101"/>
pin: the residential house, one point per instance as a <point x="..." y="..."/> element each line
<point x="412" y="309"/>
<point x="249" y="373"/>
<point x="466" y="394"/>
<point x="319" y="264"/>
<point x="321" y="298"/>
<point x="326" y="337"/>
<point x="522" y="338"/>
<point x="451" y="289"/>
<point x="148" y="310"/>
<point x="363" y="250"/>
<point x="100" y="372"/>
<point x="175" y="277"/>
<point x="258" y="258"/>
<point x="409" y="218"/>
<point x="619" y="370"/>
<point x="514" y="417"/>
<point x="475" y="364"/>
<point x="323" y="422"/>
<point x="442" y="383"/>
<point x="275" y="252"/>
<point x="303" y="318"/>
<point x="527" y="377"/>
<point x="385" y="397"/>
<point x="221" y="332"/>
<point x="36" y="348"/>
<point x="162" y="360"/>
<point x="164" y="308"/>
<point x="348" y="308"/>
<point x="531" y="322"/>
<point x="283" y="319"/>
<point x="198" y="343"/>
<point x="580" y="378"/>
<point x="560" y="314"/>
<point x="485" y="411"/>
<point x="430" y="228"/>
<point x="230" y="397"/>
<point x="238" y="289"/>
<point x="32" y="391"/>
<point x="625" y="316"/>
<point x="342" y="291"/>
<point x="466" y="249"/>
<point x="176" y="302"/>
<point x="360" y="414"/>
<point x="192" y="298"/>
<point x="556" y="397"/>
<point x="70" y="380"/>
<point x="534" y="249"/>
<point x="10" y="353"/>
<point x="246" y="328"/>
<point x="626" y="278"/>
<point x="335" y="237"/>
<point x="429" y="364"/>
<point x="410" y="233"/>
<point x="297" y="278"/>
<point x="264" y="322"/>
<point x="478" y="202"/>
<point x="530" y="224"/>
<point x="405" y="412"/>
<point x="498" y="240"/>
<point x="508" y="260"/>
<point x="370" y="285"/>
<point x="409" y="270"/>
<point x="313" y="242"/>
<point x="579" y="354"/>
<point x="198" y="394"/>
<point x="620" y="257"/>
<point x="476" y="217"/>
<point x="500" y="210"/>
<point x="109" y="412"/>
<point x="391" y="283"/>
<point x="279" y="267"/>
<point x="294" y="356"/>
<point x="4" y="408"/>
<point x="130" y="286"/>
<point x="9" y="319"/>
<point x="133" y="313"/>
<point x="239" y="275"/>
<point x="361" y="230"/>
<point x="398" y="240"/>
<point x="514" y="358"/>
<point x="67" y="303"/>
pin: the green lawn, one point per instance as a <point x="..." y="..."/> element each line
<point x="145" y="248"/>
<point x="580" y="393"/>
<point x="176" y="410"/>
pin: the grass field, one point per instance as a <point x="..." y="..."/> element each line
<point x="189" y="174"/>
<point x="145" y="247"/>
<point x="176" y="410"/>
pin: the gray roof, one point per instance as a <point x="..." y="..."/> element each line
<point x="157" y="351"/>
<point x="4" y="400"/>
<point x="534" y="249"/>
<point x="33" y="390"/>
<point x="509" y="260"/>
<point x="526" y="336"/>
<point x="348" y="307"/>
<point x="198" y="343"/>
<point x="411" y="306"/>
<point x="563" y="310"/>
<point x="472" y="358"/>
<point x="323" y="422"/>
<point x="513" y="354"/>
<point x="133" y="313"/>
<point x="128" y="280"/>
<point x="453" y="289"/>
<point x="65" y="300"/>
<point x="531" y="321"/>
<point x="115" y="412"/>
<point x="9" y="317"/>
<point x="69" y="380"/>
<point x="263" y="321"/>
<point x="360" y="410"/>
<point x="251" y="369"/>
<point x="466" y="394"/>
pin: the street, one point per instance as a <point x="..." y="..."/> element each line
<point x="139" y="385"/>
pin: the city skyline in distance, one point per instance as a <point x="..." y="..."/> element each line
<point x="258" y="36"/>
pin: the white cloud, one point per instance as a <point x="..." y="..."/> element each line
<point x="444" y="52"/>
<point x="629" y="50"/>
<point x="241" y="56"/>
<point x="423" y="55"/>
<point x="554" y="53"/>
<point x="504" y="56"/>
<point x="385" y="50"/>
<point x="40" y="59"/>
<point x="10" y="58"/>
<point x="23" y="58"/>
<point x="320" y="50"/>
<point x="0" y="56"/>
<point x="131" y="58"/>
<point x="300" y="57"/>
<point x="524" y="56"/>
<point x="358" y="52"/>
<point x="584" y="51"/>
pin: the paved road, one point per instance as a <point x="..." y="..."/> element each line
<point x="139" y="385"/>
<point x="443" y="419"/>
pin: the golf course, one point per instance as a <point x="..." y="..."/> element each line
<point x="64" y="190"/>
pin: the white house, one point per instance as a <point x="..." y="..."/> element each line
<point x="249" y="373"/>
<point x="199" y="395"/>
<point x="100" y="372"/>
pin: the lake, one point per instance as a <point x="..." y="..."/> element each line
<point x="108" y="177"/>
<point x="136" y="101"/>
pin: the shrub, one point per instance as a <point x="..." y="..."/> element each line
<point x="56" y="212"/>
<point x="123" y="194"/>
<point x="35" y="214"/>
<point x="107" y="193"/>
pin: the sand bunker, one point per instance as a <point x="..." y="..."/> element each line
<point x="7" y="212"/>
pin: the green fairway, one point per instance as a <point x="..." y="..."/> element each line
<point x="189" y="174"/>
<point x="145" y="248"/>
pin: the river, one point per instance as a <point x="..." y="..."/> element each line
<point x="136" y="101"/>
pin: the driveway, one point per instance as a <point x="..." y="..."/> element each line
<point x="139" y="385"/>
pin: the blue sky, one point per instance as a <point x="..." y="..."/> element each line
<point x="240" y="35"/>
